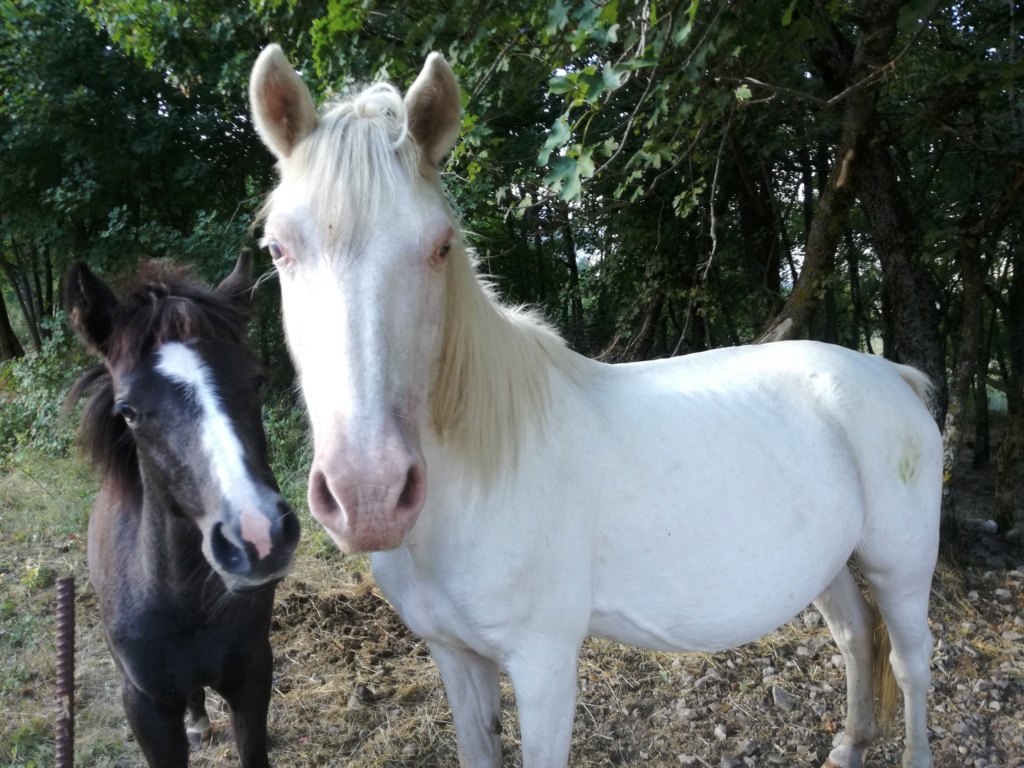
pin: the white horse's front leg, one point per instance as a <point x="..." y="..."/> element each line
<point x="545" y="684"/>
<point x="474" y="694"/>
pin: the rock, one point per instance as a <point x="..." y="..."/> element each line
<point x="783" y="700"/>
<point x="747" y="748"/>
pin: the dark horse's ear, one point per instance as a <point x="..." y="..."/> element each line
<point x="238" y="285"/>
<point x="90" y="306"/>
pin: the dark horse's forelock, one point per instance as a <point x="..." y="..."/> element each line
<point x="168" y="305"/>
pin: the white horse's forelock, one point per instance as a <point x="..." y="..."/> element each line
<point x="348" y="162"/>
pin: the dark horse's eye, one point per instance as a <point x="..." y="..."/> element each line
<point x="258" y="381"/>
<point x="126" y="412"/>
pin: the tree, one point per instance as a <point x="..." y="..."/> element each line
<point x="661" y="177"/>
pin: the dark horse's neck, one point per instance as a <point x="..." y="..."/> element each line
<point x="158" y="547"/>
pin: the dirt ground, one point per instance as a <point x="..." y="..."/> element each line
<point x="354" y="688"/>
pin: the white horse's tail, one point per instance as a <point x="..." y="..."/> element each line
<point x="887" y="690"/>
<point x="919" y="382"/>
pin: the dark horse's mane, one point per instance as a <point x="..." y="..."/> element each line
<point x="167" y="305"/>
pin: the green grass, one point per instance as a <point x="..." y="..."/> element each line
<point x="45" y="497"/>
<point x="43" y="513"/>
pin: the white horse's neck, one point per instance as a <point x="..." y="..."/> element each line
<point x="494" y="373"/>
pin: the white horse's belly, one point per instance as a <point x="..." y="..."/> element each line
<point x="709" y="607"/>
<point x="738" y="538"/>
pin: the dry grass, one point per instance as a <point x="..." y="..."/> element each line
<point x="353" y="687"/>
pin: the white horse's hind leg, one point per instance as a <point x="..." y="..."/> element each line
<point x="903" y="601"/>
<point x="472" y="685"/>
<point x="849" y="618"/>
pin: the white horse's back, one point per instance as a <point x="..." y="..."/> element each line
<point x="735" y="478"/>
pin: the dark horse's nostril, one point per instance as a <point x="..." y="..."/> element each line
<point x="230" y="557"/>
<point x="289" y="524"/>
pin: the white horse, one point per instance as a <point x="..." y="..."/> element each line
<point x="519" y="497"/>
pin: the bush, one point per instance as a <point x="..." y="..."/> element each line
<point x="289" y="444"/>
<point x="34" y="388"/>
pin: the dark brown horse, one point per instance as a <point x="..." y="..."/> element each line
<point x="189" y="534"/>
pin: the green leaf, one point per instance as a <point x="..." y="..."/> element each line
<point x="559" y="134"/>
<point x="585" y="164"/>
<point x="558" y="17"/>
<point x="787" y="17"/>
<point x="560" y="84"/>
<point x="742" y="93"/>
<point x="564" y="177"/>
<point x="683" y="34"/>
<point x="613" y="75"/>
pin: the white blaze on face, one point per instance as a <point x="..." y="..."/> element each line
<point x="180" y="364"/>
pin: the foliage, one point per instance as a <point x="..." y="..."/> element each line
<point x="290" y="450"/>
<point x="34" y="388"/>
<point x="660" y="177"/>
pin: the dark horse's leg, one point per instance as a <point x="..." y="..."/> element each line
<point x="199" y="730"/>
<point x="248" y="702"/>
<point x="158" y="727"/>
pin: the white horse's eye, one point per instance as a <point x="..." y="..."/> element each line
<point x="276" y="251"/>
<point x="442" y="252"/>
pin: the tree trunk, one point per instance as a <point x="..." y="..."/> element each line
<point x="48" y="272"/>
<point x="1009" y="466"/>
<point x="575" y="299"/>
<point x="973" y="358"/>
<point x="982" y="432"/>
<point x="859" y="323"/>
<point x="972" y="276"/>
<point x="24" y="303"/>
<point x="10" y="347"/>
<point x="910" y="292"/>
<point x="859" y="74"/>
<point x="1010" y="458"/>
<point x="758" y="227"/>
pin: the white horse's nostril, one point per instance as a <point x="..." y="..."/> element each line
<point x="414" y="492"/>
<point x="322" y="503"/>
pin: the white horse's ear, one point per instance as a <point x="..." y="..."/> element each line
<point x="282" y="108"/>
<point x="434" y="105"/>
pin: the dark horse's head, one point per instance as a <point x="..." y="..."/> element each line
<point x="173" y="417"/>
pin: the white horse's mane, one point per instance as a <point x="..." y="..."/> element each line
<point x="492" y="381"/>
<point x="493" y="377"/>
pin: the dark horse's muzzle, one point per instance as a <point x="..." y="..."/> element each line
<point x="252" y="548"/>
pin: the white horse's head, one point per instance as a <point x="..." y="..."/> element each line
<point x="360" y="233"/>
